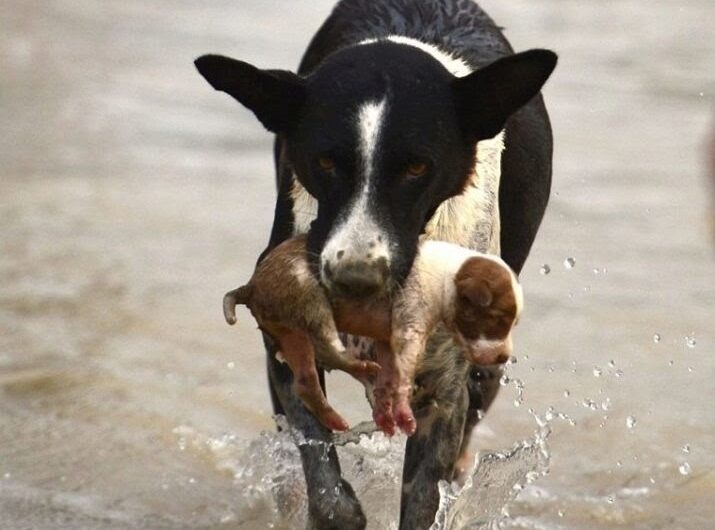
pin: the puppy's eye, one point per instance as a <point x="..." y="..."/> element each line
<point x="416" y="169"/>
<point x="326" y="163"/>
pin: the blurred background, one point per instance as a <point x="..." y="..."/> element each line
<point x="132" y="196"/>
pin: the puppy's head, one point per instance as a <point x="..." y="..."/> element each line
<point x="488" y="304"/>
<point x="380" y="134"/>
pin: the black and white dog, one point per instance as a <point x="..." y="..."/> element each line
<point x="407" y="119"/>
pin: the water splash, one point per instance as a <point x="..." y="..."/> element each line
<point x="495" y="480"/>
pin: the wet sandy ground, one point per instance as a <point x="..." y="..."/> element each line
<point x="132" y="197"/>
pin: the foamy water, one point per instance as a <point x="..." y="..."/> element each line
<point x="133" y="197"/>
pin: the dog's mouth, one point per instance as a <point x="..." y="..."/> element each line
<point x="356" y="280"/>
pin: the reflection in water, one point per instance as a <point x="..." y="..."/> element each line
<point x="133" y="197"/>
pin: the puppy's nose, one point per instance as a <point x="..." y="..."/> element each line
<point x="359" y="279"/>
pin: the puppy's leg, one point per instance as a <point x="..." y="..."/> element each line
<point x="332" y="503"/>
<point x="385" y="389"/>
<point x="408" y="347"/>
<point x="331" y="353"/>
<point x="440" y="406"/>
<point x="298" y="352"/>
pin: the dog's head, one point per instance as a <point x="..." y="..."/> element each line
<point x="380" y="134"/>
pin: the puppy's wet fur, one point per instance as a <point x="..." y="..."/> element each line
<point x="476" y="296"/>
<point x="291" y="307"/>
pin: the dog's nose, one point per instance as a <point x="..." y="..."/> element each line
<point x="358" y="279"/>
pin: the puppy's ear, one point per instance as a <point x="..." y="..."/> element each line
<point x="475" y="290"/>
<point x="487" y="97"/>
<point x="274" y="96"/>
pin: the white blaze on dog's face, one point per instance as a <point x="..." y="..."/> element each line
<point x="357" y="236"/>
<point x="379" y="135"/>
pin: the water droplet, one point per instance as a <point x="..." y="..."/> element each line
<point x="589" y="404"/>
<point x="618" y="373"/>
<point x="505" y="380"/>
<point x="606" y="405"/>
<point x="569" y="263"/>
<point x="619" y="463"/>
<point x="690" y="341"/>
<point x="596" y="271"/>
<point x="610" y="499"/>
<point x="686" y="448"/>
<point x="230" y="365"/>
<point x="567" y="393"/>
<point x="545" y="269"/>
<point x="671" y="362"/>
<point x="684" y="468"/>
<point x="701" y="94"/>
<point x="611" y="364"/>
<point x="192" y="480"/>
<point x="597" y="371"/>
<point x="656" y="338"/>
<point x="631" y="422"/>
<point x="560" y="513"/>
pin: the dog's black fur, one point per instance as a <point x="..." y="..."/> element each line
<point x="431" y="121"/>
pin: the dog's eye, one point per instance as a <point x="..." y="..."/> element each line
<point x="326" y="163"/>
<point x="416" y="169"/>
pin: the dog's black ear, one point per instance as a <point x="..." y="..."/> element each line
<point x="487" y="97"/>
<point x="274" y="96"/>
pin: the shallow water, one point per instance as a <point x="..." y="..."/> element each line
<point x="133" y="197"/>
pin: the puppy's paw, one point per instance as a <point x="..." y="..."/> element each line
<point x="330" y="419"/>
<point x="405" y="418"/>
<point x="362" y="368"/>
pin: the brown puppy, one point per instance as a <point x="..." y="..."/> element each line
<point x="291" y="307"/>
<point x="476" y="296"/>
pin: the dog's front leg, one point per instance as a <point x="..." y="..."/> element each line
<point x="441" y="408"/>
<point x="332" y="504"/>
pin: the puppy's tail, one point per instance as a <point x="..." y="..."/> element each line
<point x="231" y="299"/>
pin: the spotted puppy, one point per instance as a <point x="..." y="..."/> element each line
<point x="476" y="296"/>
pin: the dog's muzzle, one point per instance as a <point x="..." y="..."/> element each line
<point x="356" y="278"/>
